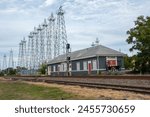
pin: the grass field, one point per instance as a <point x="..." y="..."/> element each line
<point x="23" y="91"/>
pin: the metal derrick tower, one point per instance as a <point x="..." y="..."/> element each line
<point x="43" y="41"/>
<point x="31" y="51"/>
<point x="46" y="42"/>
<point x="50" y="37"/>
<point x="28" y="53"/>
<point x="61" y="35"/>
<point x="19" y="55"/>
<point x="36" y="57"/>
<point x="41" y="44"/>
<point x="22" y="53"/>
<point x="11" y="61"/>
<point x="4" y="62"/>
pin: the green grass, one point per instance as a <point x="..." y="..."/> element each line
<point x="23" y="91"/>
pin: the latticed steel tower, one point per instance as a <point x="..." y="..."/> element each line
<point x="22" y="54"/>
<point x="46" y="42"/>
<point x="28" y="53"/>
<point x="4" y="62"/>
<point x="41" y="45"/>
<point x="50" y="38"/>
<point x="36" y="37"/>
<point x="19" y="55"/>
<point x="11" y="61"/>
<point x="44" y="39"/>
<point x="31" y="51"/>
<point x="61" y="35"/>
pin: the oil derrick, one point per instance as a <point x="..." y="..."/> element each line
<point x="41" y="44"/>
<point x="28" y="53"/>
<point x="50" y="37"/>
<point x="19" y="55"/>
<point x="35" y="33"/>
<point x="31" y="51"/>
<point x="61" y="35"/>
<point x="11" y="61"/>
<point x="4" y="62"/>
<point x="22" y="54"/>
<point x="39" y="31"/>
<point x="43" y="40"/>
<point x="46" y="42"/>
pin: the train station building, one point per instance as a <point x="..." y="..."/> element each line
<point x="88" y="61"/>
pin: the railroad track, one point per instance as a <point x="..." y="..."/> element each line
<point x="94" y="83"/>
<point x="104" y="86"/>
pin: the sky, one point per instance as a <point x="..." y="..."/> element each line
<point x="85" y="20"/>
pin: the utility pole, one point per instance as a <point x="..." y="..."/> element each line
<point x="68" y="58"/>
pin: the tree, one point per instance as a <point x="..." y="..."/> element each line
<point x="128" y="62"/>
<point x="139" y="37"/>
<point x="11" y="71"/>
<point x="42" y="69"/>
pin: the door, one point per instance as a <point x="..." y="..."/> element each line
<point x="89" y="67"/>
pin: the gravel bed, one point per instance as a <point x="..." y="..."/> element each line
<point x="124" y="82"/>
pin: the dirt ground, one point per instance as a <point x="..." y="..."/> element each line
<point x="1" y="78"/>
<point x="96" y="94"/>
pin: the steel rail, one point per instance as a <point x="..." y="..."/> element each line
<point x="144" y="90"/>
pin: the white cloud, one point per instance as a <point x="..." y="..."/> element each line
<point x="48" y="3"/>
<point x="9" y="10"/>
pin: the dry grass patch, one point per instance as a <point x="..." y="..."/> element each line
<point x="91" y="93"/>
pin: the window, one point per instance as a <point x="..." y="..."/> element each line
<point x="85" y="65"/>
<point x="78" y="66"/>
<point x="58" y="68"/>
<point x="94" y="65"/>
<point x="61" y="67"/>
<point x="54" y="68"/>
<point x="65" y="66"/>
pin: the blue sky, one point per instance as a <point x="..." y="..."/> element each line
<point x="85" y="21"/>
